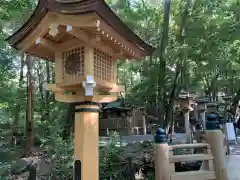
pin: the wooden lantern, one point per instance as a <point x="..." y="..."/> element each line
<point x="85" y="39"/>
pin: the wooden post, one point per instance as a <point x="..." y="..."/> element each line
<point x="86" y="142"/>
<point x="215" y="139"/>
<point x="162" y="156"/>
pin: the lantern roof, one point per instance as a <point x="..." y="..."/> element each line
<point x="185" y="95"/>
<point x="212" y="104"/>
<point x="52" y="19"/>
<point x="226" y="98"/>
<point x="202" y="100"/>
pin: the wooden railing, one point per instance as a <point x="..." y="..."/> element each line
<point x="205" y="173"/>
<point x="210" y="153"/>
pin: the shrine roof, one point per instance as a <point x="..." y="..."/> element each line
<point x="116" y="104"/>
<point x="78" y="7"/>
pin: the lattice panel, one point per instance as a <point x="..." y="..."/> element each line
<point x="73" y="64"/>
<point x="103" y="65"/>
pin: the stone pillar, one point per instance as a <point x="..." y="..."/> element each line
<point x="202" y="112"/>
<point x="130" y="129"/>
<point x="187" y="125"/>
<point x="162" y="171"/>
<point x="144" y="123"/>
<point x="199" y="130"/>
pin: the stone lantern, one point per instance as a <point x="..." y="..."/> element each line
<point x="185" y="101"/>
<point x="227" y="102"/>
<point x="84" y="38"/>
<point x="211" y="108"/>
<point x="227" y="98"/>
<point x="202" y="106"/>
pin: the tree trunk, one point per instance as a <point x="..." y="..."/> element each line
<point x="20" y="85"/>
<point x="180" y="67"/>
<point x="162" y="69"/>
<point x="47" y="93"/>
<point x="29" y="123"/>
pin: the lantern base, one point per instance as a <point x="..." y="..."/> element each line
<point x="77" y="94"/>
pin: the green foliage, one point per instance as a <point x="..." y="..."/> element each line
<point x="62" y="158"/>
<point x="111" y="160"/>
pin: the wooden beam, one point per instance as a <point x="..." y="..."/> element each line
<point x="59" y="46"/>
<point x="60" y="34"/>
<point x="78" y="33"/>
<point x="79" y="98"/>
<point x="48" y="44"/>
<point x="94" y="42"/>
<point x="198" y="145"/>
<point x="83" y="21"/>
<point x="194" y="175"/>
<point x="39" y="31"/>
<point x="55" y="88"/>
<point x="53" y="29"/>
<point x="103" y="47"/>
<point x="70" y="44"/>
<point x="122" y="48"/>
<point x="190" y="157"/>
<point x="117" y="88"/>
<point x="113" y="36"/>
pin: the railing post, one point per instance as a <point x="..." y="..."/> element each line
<point x="161" y="156"/>
<point x="215" y="138"/>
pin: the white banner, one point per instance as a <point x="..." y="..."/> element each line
<point x="230" y="132"/>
